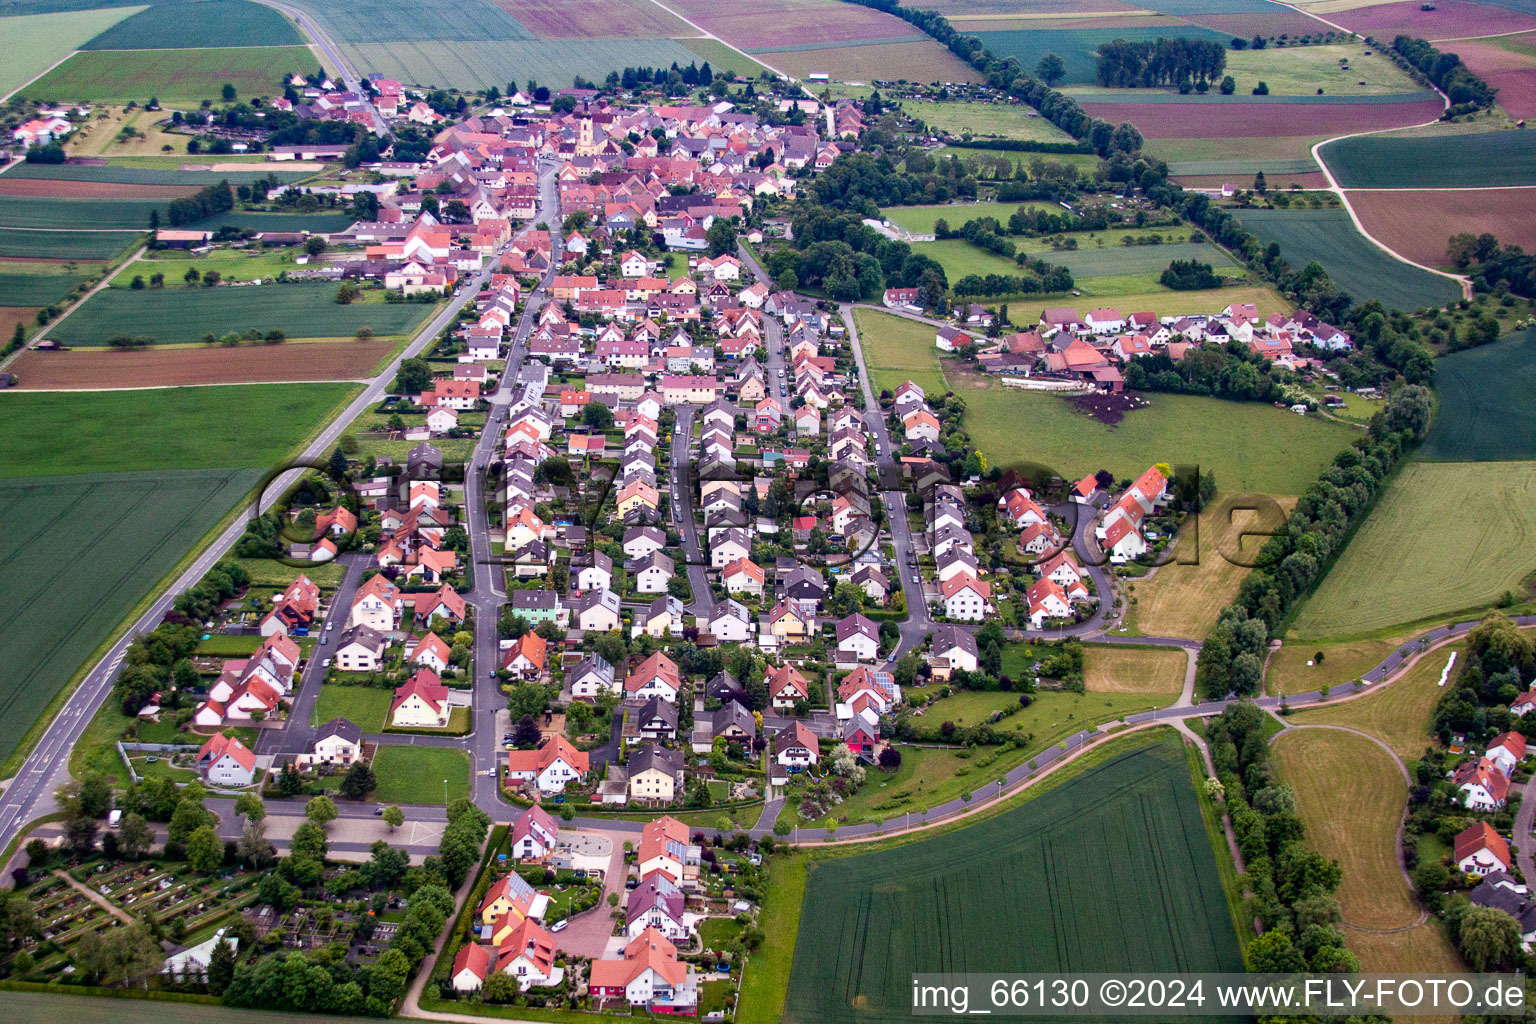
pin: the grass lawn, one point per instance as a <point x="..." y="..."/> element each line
<point x="414" y="775"/>
<point x="898" y="350"/>
<point x="225" y="645"/>
<point x="717" y="932"/>
<point x="364" y="706"/>
<point x="232" y="265"/>
<point x="1343" y="663"/>
<point x="1451" y="537"/>
<point x="765" y="978"/>
<point x="161" y="768"/>
<point x="178" y="78"/>
<point x="1086" y="163"/>
<point x="714" y="995"/>
<point x="267" y="572"/>
<point x="920" y="219"/>
<point x="1351" y="796"/>
<point x="1088" y="263"/>
<point x="1152" y="671"/>
<point x="1184" y="597"/>
<point x="1003" y="120"/>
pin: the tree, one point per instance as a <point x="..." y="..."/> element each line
<point x="253" y="847"/>
<point x="597" y="416"/>
<point x="250" y="806"/>
<point x="415" y="376"/>
<point x="526" y="735"/>
<point x="189" y="816"/>
<point x="320" y="810"/>
<point x="221" y="967"/>
<point x="359" y="781"/>
<point x="228" y="92"/>
<point x="890" y="758"/>
<point x="314" y="245"/>
<point x="1051" y="69"/>
<point x="846" y="599"/>
<point x="394" y="817"/>
<point x="289" y="781"/>
<point x="80" y="834"/>
<point x="721" y="237"/>
<point x="205" y="850"/>
<point x="1490" y="938"/>
<point x="134" y="837"/>
<point x="1228" y="86"/>
<point x="1273" y="953"/>
<point x="1259" y="184"/>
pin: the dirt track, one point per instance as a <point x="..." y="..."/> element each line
<point x="95" y="369"/>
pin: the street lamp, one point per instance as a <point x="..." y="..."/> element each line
<point x="445" y="792"/>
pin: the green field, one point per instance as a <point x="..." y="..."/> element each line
<point x="32" y="289"/>
<point x="1004" y="120"/>
<point x="87" y="548"/>
<point x="65" y="245"/>
<point x="1355" y="265"/>
<point x="1077" y="46"/>
<point x="231" y="264"/>
<point x="93" y="214"/>
<point x="33" y="42"/>
<point x="204" y="23"/>
<point x="365" y="706"/>
<point x="179" y="78"/>
<point x="1451" y="536"/>
<point x="182" y="316"/>
<point x="1485" y="402"/>
<point x="479" y="64"/>
<point x="377" y="21"/>
<point x="722" y="57"/>
<point x="1303" y="70"/>
<point x="1109" y="871"/>
<point x="167" y="172"/>
<point x="247" y="220"/>
<point x="959" y="258"/>
<point x="255" y="425"/>
<point x="1085" y="163"/>
<point x="920" y="219"/>
<point x="897" y="350"/>
<point x="1433" y="161"/>
<point x="414" y="775"/>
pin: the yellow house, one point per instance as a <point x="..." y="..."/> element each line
<point x="636" y="492"/>
<point x="421" y="703"/>
<point x="786" y="623"/>
<point x="510" y="897"/>
<point x="751" y="390"/>
<point x="655" y="773"/>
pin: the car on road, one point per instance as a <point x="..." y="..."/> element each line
<point x="560" y="925"/>
<point x="916" y="579"/>
<point x="330" y="626"/>
<point x="378" y="812"/>
<point x="326" y="663"/>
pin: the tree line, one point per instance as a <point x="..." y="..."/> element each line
<point x="1146" y="63"/>
<point x="1492" y="267"/>
<point x="1466" y="91"/>
<point x="209" y="201"/>
<point x="1223" y="371"/>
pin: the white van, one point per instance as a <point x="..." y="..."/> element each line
<point x="114" y="819"/>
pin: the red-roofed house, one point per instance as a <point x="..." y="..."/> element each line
<point x="1480" y="850"/>
<point x="528" y="954"/>
<point x="1483" y="787"/>
<point x="1506" y="751"/>
<point x="649" y="975"/>
<point x="225" y="761"/>
<point x="421" y="703"/>
<point x="470" y="967"/>
<point x="549" y="767"/>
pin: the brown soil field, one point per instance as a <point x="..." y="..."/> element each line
<point x="1418" y="222"/>
<point x="1217" y="120"/>
<point x="1278" y="181"/>
<point x="960" y="9"/>
<point x="10" y="316"/>
<point x="1250" y="23"/>
<point x="1451" y="19"/>
<point x="11" y="261"/>
<point x="920" y="61"/>
<point x="51" y="189"/>
<point x="95" y="369"/>
<point x="1106" y="19"/>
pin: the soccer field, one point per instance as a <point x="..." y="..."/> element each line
<point x="1112" y="870"/>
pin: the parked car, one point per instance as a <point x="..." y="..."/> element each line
<point x="561" y="925"/>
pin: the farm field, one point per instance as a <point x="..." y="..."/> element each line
<point x="1355" y="265"/>
<point x="1434" y="161"/>
<point x="184" y="316"/>
<point x="33" y="42"/>
<point x="721" y="57"/>
<point x="415" y="775"/>
<point x="180" y="78"/>
<point x="1351" y="795"/>
<point x="1449" y="19"/>
<point x="1509" y="65"/>
<point x="919" y="60"/>
<point x="122" y="431"/>
<point x="1435" y="571"/>
<point x="93" y="214"/>
<point x="231" y="264"/>
<point x="1142" y="670"/>
<point x="594" y="19"/>
<point x="920" y="219"/>
<point x="1419" y="222"/>
<point x="10" y="316"/>
<point x="1086" y="163"/>
<point x="1302" y="70"/>
<point x="996" y="895"/>
<point x="1183" y="599"/>
<point x="49" y="189"/>
<point x="1237" y="155"/>
<point x="896" y="350"/>
<point x="1008" y="121"/>
<point x="1485" y="411"/>
<point x="750" y="24"/>
<point x="1174" y="120"/>
<point x="1311" y="180"/>
<point x="89" y="547"/>
<point x="479" y="64"/>
<point x="1076" y="46"/>
<point x="34" y="284"/>
<point x="89" y="369"/>
<point x="1238" y="167"/>
<point x="959" y="258"/>
<point x="221" y="23"/>
<point x="376" y="21"/>
<point x="1288" y="672"/>
<point x="170" y="171"/>
<point x="65" y="245"/>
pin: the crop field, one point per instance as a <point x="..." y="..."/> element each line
<point x="1076" y="47"/>
<point x="721" y="57"/>
<point x="1509" y="65"/>
<point x="257" y="425"/>
<point x="33" y="42"/>
<point x="1186" y="595"/>
<point x="10" y="316"/>
<point x="93" y="214"/>
<point x="1175" y="120"/>
<point x="479" y="64"/>
<point x="415" y="775"/>
<point x="65" y="245"/>
<point x="88" y="369"/>
<point x="1449" y="20"/>
<point x="1218" y="154"/>
<point x="1434" y="161"/>
<point x="203" y="23"/>
<point x="1351" y="796"/>
<point x="89" y="547"/>
<point x="379" y="21"/>
<point x="594" y="19"/>
<point x="174" y="316"/>
<point x="1013" y="893"/>
<point x="1239" y="167"/>
<point x="171" y="173"/>
<point x="179" y="78"/>
<point x="1485" y="408"/>
<point x="754" y="23"/>
<point x="1148" y="670"/>
<point x="1302" y="70"/>
<point x="1419" y="222"/>
<point x="919" y="61"/>
<point x="35" y="285"/>
<point x="1455" y="536"/>
<point x="45" y="188"/>
<point x="1004" y="120"/>
<point x="1356" y="266"/>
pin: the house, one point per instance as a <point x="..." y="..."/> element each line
<point x="858" y="636"/>
<point x="592" y="676"/>
<point x="1483" y="787"/>
<point x="510" y="897"/>
<point x="376" y="604"/>
<point x="656" y="903"/>
<point x="786" y="687"/>
<point x="729" y="622"/>
<point x="955" y="646"/>
<point x="338" y="742"/>
<point x="1506" y="751"/>
<point x="422" y="703"/>
<point x="657" y="719"/>
<point x="1479" y="850"/>
<point x="1047" y="601"/>
<point x="525" y="659"/>
<point x="655" y="774"/>
<point x="534" y="834"/>
<point x="470" y="967"/>
<point x="1104" y="321"/>
<point x="966" y="597"/>
<point x="948" y="339"/>
<point x="1120" y="539"/>
<point x="550" y="767"/>
<point x="743" y="576"/>
<point x="732" y="721"/>
<point x="653" y="573"/>
<point x="1500" y="891"/>
<point x="664" y="847"/>
<point x="649" y="974"/>
<point x="594" y="571"/>
<point x="432" y="652"/>
<point x="293" y="611"/>
<point x="528" y="954"/>
<point x="795" y="747"/>
<point x="537" y="606"/>
<point x="656" y="676"/>
<point x="359" y="649"/>
<point x="225" y="761"/>
<point x="866" y="688"/>
<point x="596" y="610"/>
<point x="444" y="604"/>
<point x="1522" y="704"/>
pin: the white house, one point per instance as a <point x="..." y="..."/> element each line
<point x="225" y="761"/>
<point x="966" y="598"/>
<point x="1480" y="850"/>
<point x="550" y="767"/>
<point x="858" y="636"/>
<point x="1506" y="751"/>
<point x="535" y="833"/>
<point x="956" y="646"/>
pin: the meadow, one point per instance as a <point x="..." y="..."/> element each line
<point x="896" y="350"/>
<point x="1485" y="409"/>
<point x="178" y="78"/>
<point x="1356" y="265"/>
<point x="1157" y="671"/>
<point x="1013" y="893"/>
<point x="65" y="245"/>
<point x="1302" y="70"/>
<point x="1004" y="120"/>
<point x="367" y="706"/>
<point x="1433" y="161"/>
<point x="921" y="60"/>
<point x="183" y="316"/>
<point x="33" y="42"/>
<point x="203" y="23"/>
<point x="1399" y="713"/>
<point x="920" y="219"/>
<point x="1235" y="153"/>
<point x="415" y="775"/>
<point x="89" y="548"/>
<point x="1451" y="537"/>
<point x="1296" y="668"/>
<point x="721" y="57"/>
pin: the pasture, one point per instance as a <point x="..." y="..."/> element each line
<point x="55" y="433"/>
<point x="230" y="264"/>
<point x="87" y="369"/>
<point x="65" y="245"/>
<point x="1007" y="895"/>
<point x="1434" y="161"/>
<point x="1155" y="671"/>
<point x="1302" y="70"/>
<point x="1003" y="120"/>
<point x="897" y="350"/>
<point x="416" y="775"/>
<point x="181" y="316"/>
<point x="721" y="57"/>
<point x="1355" y="265"/>
<point x="1445" y="538"/>
<point x="1418" y="222"/>
<point x="33" y="42"/>
<point x="1485" y="409"/>
<point x="920" y="219"/>
<point x="959" y="258"/>
<point x="179" y="78"/>
<point x="1077" y="46"/>
<point x="202" y="23"/>
<point x="1185" y="596"/>
<point x="89" y="548"/>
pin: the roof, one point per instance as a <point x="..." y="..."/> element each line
<point x="653" y="757"/>
<point x="530" y="941"/>
<point x="1513" y="742"/>
<point x="530" y="646"/>
<point x="785" y="677"/>
<point x="948" y="638"/>
<point x="534" y="816"/>
<point x="658" y="665"/>
<point x="474" y="958"/>
<point x="557" y="747"/>
<point x="1479" y="837"/>
<point x="220" y="745"/>
<point x="425" y="684"/>
<point x="796" y="734"/>
<point x="349" y="731"/>
<point x="650" y="951"/>
<point x="656" y="835"/>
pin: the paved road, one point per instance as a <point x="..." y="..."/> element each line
<point x="681" y="484"/>
<point x="349" y="75"/>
